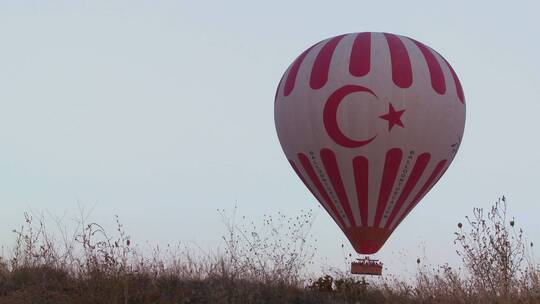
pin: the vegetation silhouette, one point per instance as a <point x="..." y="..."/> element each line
<point x="260" y="263"/>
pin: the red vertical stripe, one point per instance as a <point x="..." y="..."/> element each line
<point x="435" y="70"/>
<point x="310" y="189"/>
<point x="391" y="166"/>
<point x="330" y="164"/>
<point x="315" y="180"/>
<point x="416" y="173"/>
<point x="360" y="61"/>
<point x="425" y="188"/>
<point x="321" y="66"/>
<point x="459" y="89"/>
<point x="291" y="77"/>
<point x="361" y="174"/>
<point x="301" y="177"/>
<point x="401" y="64"/>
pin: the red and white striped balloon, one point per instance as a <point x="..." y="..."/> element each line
<point x="369" y="122"/>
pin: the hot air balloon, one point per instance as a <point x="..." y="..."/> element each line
<point x="369" y="122"/>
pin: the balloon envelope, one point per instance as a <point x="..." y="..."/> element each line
<point x="369" y="122"/>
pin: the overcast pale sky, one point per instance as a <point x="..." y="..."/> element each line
<point x="162" y="112"/>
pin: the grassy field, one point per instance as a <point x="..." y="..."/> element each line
<point x="260" y="264"/>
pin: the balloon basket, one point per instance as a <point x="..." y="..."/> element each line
<point x="366" y="266"/>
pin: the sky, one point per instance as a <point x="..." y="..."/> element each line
<point x="161" y="112"/>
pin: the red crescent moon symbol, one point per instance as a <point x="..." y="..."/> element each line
<point x="330" y="116"/>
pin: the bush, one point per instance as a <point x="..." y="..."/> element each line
<point x="260" y="264"/>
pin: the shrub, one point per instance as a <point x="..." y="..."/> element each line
<point x="260" y="264"/>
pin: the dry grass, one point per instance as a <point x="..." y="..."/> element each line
<point x="260" y="264"/>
